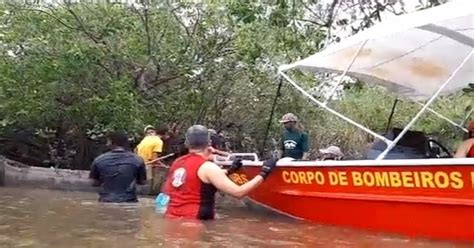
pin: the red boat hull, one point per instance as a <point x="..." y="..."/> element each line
<point x="434" y="201"/>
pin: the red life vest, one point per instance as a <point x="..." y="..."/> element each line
<point x="189" y="197"/>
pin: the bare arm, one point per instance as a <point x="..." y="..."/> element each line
<point x="211" y="173"/>
<point x="221" y="153"/>
<point x="463" y="149"/>
<point x="218" y="152"/>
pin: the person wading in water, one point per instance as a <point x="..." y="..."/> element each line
<point x="118" y="171"/>
<point x="193" y="180"/>
<point x="150" y="149"/>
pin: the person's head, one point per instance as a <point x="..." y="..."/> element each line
<point x="331" y="153"/>
<point x="149" y="130"/>
<point x="470" y="130"/>
<point x="163" y="132"/>
<point x="212" y="131"/>
<point x="213" y="137"/>
<point x="197" y="138"/>
<point x="289" y="121"/>
<point x="117" y="139"/>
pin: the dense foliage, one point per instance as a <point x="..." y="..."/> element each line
<point x="70" y="72"/>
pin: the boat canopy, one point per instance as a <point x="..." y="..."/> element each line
<point x="412" y="55"/>
<point x="419" y="56"/>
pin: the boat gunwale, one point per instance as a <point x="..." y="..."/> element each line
<point x="446" y="162"/>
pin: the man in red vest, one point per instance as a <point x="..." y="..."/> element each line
<point x="466" y="149"/>
<point x="193" y="180"/>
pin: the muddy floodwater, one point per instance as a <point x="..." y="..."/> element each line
<point x="45" y="218"/>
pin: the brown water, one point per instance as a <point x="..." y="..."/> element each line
<point x="44" y="218"/>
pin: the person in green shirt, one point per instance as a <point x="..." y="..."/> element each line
<point x="295" y="142"/>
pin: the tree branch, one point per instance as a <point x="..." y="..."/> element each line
<point x="146" y="24"/>
<point x="176" y="17"/>
<point x="102" y="34"/>
<point x="83" y="27"/>
<point x="48" y="14"/>
<point x="331" y="12"/>
<point x="312" y="22"/>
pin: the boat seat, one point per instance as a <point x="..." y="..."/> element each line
<point x="413" y="145"/>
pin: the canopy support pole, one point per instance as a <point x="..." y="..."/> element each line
<point x="344" y="73"/>
<point x="467" y="117"/>
<point x="378" y="136"/>
<point x="425" y="107"/>
<point x="445" y="118"/>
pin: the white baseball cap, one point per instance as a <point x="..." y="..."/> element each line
<point x="334" y="150"/>
<point x="148" y="127"/>
<point x="289" y="117"/>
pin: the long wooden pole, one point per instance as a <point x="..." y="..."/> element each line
<point x="159" y="159"/>
<point x="391" y="116"/>
<point x="270" y="119"/>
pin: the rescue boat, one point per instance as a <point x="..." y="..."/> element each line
<point x="409" y="184"/>
<point x="432" y="198"/>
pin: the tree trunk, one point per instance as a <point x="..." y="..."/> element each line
<point x="2" y="171"/>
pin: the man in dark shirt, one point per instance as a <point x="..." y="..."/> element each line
<point x="118" y="171"/>
<point x="294" y="141"/>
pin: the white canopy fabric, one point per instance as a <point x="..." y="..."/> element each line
<point x="411" y="55"/>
